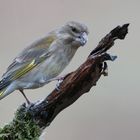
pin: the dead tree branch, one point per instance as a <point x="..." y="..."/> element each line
<point x="30" y="120"/>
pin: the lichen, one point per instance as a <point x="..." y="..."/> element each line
<point x="23" y="127"/>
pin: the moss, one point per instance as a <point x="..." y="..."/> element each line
<point x="21" y="128"/>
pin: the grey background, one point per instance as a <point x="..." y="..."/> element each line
<point x="111" y="110"/>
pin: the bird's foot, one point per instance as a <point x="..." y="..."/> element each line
<point x="58" y="84"/>
<point x="59" y="79"/>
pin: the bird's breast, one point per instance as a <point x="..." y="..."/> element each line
<point x="56" y="63"/>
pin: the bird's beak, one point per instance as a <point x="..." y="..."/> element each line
<point x="83" y="38"/>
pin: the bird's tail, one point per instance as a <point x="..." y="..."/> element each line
<point x="4" y="88"/>
<point x="2" y="95"/>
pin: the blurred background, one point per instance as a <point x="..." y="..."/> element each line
<point x="115" y="101"/>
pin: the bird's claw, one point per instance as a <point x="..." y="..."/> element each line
<point x="60" y="80"/>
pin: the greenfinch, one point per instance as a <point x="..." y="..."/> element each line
<point x="44" y="59"/>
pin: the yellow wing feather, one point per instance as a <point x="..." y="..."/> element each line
<point x="2" y="91"/>
<point x="24" y="70"/>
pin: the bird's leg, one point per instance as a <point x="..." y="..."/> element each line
<point x="25" y="97"/>
<point x="59" y="78"/>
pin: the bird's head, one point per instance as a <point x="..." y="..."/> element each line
<point x="74" y="33"/>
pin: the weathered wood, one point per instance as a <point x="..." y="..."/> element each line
<point x="73" y="86"/>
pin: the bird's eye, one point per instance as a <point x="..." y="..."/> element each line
<point x="74" y="29"/>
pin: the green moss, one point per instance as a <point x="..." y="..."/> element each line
<point x="21" y="128"/>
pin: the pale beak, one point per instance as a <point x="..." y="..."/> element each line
<point x="83" y="38"/>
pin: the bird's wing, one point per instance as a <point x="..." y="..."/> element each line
<point x="28" y="60"/>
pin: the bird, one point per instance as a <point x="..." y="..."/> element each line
<point x="44" y="59"/>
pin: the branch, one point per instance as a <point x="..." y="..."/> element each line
<point x="30" y="121"/>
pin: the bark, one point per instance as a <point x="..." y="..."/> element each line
<point x="30" y="121"/>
